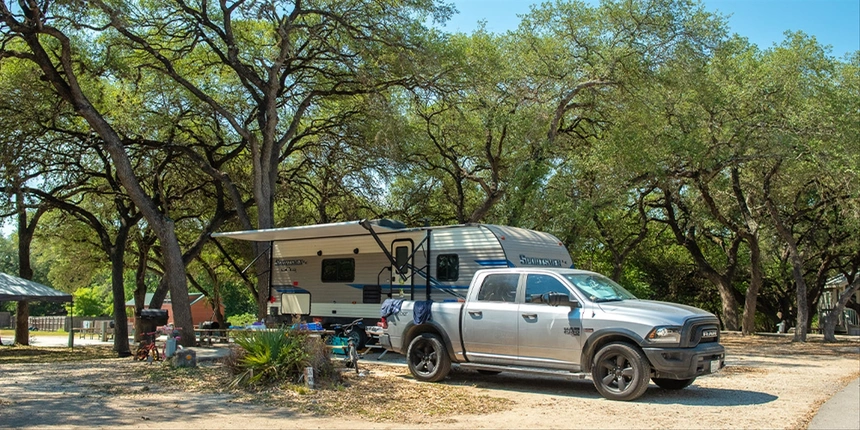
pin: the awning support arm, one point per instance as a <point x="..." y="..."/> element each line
<point x="233" y="263"/>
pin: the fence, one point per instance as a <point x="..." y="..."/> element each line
<point x="62" y="323"/>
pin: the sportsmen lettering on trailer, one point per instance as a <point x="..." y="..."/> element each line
<point x="342" y="271"/>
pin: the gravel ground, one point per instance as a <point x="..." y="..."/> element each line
<point x="769" y="382"/>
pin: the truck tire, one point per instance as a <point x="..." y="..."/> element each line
<point x="427" y="358"/>
<point x="620" y="372"/>
<point x="673" y="384"/>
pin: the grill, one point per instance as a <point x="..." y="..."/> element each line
<point x="701" y="331"/>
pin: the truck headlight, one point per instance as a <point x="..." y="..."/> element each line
<point x="665" y="335"/>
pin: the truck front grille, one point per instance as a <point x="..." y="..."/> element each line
<point x="707" y="331"/>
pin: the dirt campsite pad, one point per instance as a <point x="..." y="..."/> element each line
<point x="769" y="382"/>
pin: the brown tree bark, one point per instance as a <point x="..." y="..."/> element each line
<point x="801" y="327"/>
<point x="33" y="31"/>
<point x="686" y="237"/>
<point x="22" y="326"/>
<point x="832" y="317"/>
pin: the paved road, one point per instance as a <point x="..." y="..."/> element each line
<point x="842" y="411"/>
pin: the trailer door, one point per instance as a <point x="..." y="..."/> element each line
<point x="401" y="273"/>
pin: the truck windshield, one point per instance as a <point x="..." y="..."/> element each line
<point x="599" y="288"/>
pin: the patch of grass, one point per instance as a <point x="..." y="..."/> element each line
<point x="35" y="354"/>
<point x="9" y="335"/>
<point x="209" y="379"/>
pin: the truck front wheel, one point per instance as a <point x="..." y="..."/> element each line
<point x="620" y="372"/>
<point x="428" y="360"/>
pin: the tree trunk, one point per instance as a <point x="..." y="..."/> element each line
<point x="751" y="299"/>
<point x="796" y="271"/>
<point x="22" y="326"/>
<point x="729" y="304"/>
<point x="832" y="317"/>
<point x="66" y="83"/>
<point x="120" y="318"/>
<point x="802" y="308"/>
<point x="686" y="237"/>
<point x="263" y="293"/>
<point x="174" y="274"/>
<point x="265" y="176"/>
<point x="25" y="270"/>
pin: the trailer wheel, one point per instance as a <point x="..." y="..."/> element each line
<point x="427" y="358"/>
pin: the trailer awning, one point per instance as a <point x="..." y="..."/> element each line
<point x="340" y="229"/>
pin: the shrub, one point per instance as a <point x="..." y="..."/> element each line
<point x="279" y="356"/>
<point x="241" y="320"/>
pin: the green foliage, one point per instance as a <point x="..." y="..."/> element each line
<point x="278" y="356"/>
<point x="242" y="320"/>
<point x="591" y="121"/>
<point x="91" y="302"/>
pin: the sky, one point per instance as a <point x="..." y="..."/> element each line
<point x="763" y="22"/>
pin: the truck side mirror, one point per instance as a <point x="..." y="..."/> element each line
<point x="559" y="299"/>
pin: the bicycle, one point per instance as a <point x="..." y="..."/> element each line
<point x="346" y="339"/>
<point x="148" y="350"/>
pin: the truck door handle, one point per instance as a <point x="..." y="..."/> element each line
<point x="475" y="313"/>
<point x="530" y="316"/>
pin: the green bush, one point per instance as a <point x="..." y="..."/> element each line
<point x="278" y="356"/>
<point x="241" y="320"/>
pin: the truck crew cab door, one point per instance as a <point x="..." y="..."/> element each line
<point x="549" y="336"/>
<point x="490" y="321"/>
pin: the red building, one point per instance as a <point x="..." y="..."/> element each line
<point x="201" y="310"/>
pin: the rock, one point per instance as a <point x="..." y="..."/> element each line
<point x="185" y="358"/>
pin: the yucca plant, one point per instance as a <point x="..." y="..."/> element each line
<point x="271" y="356"/>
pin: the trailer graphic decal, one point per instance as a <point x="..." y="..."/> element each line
<point x="290" y="262"/>
<point x="538" y="261"/>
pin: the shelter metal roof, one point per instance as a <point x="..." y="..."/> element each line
<point x="15" y="289"/>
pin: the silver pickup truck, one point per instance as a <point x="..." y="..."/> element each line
<point x="562" y="322"/>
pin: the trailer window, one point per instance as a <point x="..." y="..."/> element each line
<point x="447" y="267"/>
<point x="401" y="258"/>
<point x="338" y="270"/>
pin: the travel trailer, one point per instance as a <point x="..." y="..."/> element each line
<point x="335" y="273"/>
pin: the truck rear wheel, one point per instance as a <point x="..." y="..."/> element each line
<point x="620" y="372"/>
<point x="673" y="384"/>
<point x="427" y="358"/>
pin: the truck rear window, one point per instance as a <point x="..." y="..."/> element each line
<point x="499" y="288"/>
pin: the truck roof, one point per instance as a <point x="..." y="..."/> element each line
<point x="559" y="270"/>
